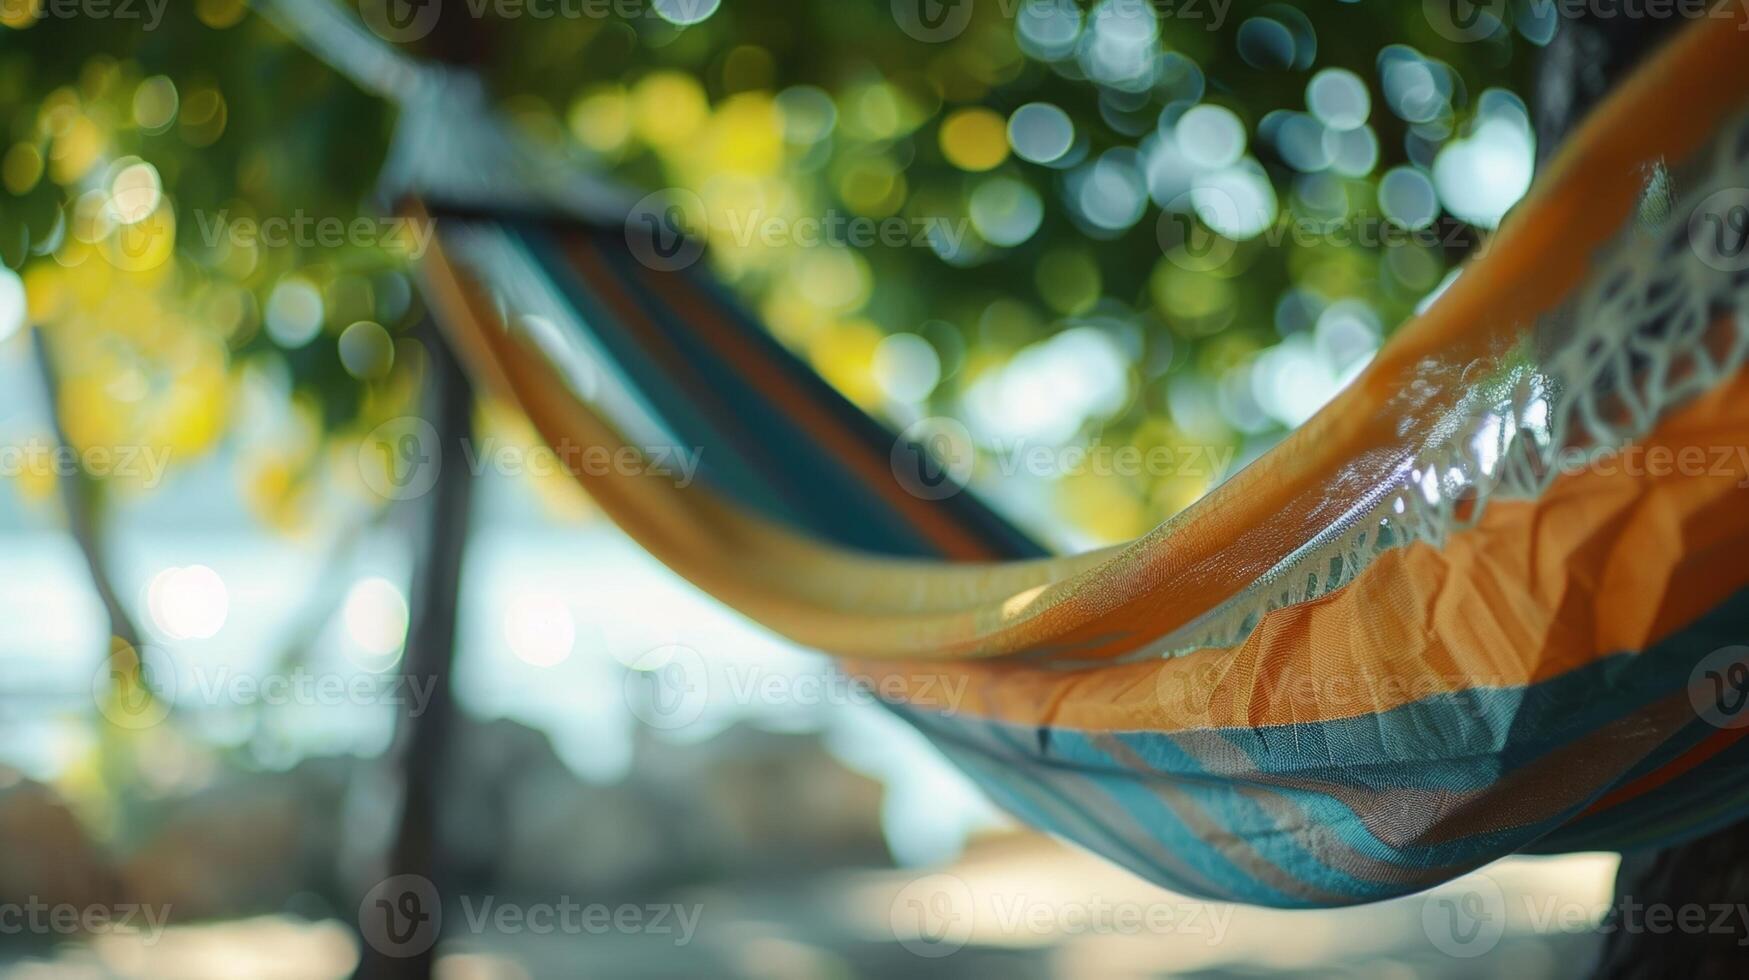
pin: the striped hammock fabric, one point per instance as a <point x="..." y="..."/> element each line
<point x="1409" y="640"/>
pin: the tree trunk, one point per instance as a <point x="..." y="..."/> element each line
<point x="1587" y="57"/>
<point x="1711" y="873"/>
<point x="81" y="505"/>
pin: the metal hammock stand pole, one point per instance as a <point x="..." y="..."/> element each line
<point x="402" y="944"/>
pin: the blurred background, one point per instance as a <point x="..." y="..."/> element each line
<point x="1166" y="224"/>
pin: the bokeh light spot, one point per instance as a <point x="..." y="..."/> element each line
<point x="1266" y="44"/>
<point x="1005" y="211"/>
<point x="685" y="12"/>
<point x="1040" y="132"/>
<point x="974" y="139"/>
<point x="188" y="603"/>
<point x="155" y="103"/>
<point x="294" y="313"/>
<point x="375" y="616"/>
<point x="13" y="303"/>
<point x="1211" y="136"/>
<point x="539" y="629"/>
<point x="1338" y="97"/>
<point x="366" y="350"/>
<point x="1407" y="197"/>
<point x="906" y="367"/>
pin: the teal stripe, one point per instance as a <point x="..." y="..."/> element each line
<point x="1461" y="745"/>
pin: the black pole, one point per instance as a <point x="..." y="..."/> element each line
<point x="401" y="917"/>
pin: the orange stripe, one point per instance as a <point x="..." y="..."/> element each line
<point x="1600" y="564"/>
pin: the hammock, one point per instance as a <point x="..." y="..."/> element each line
<point x="1411" y="639"/>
